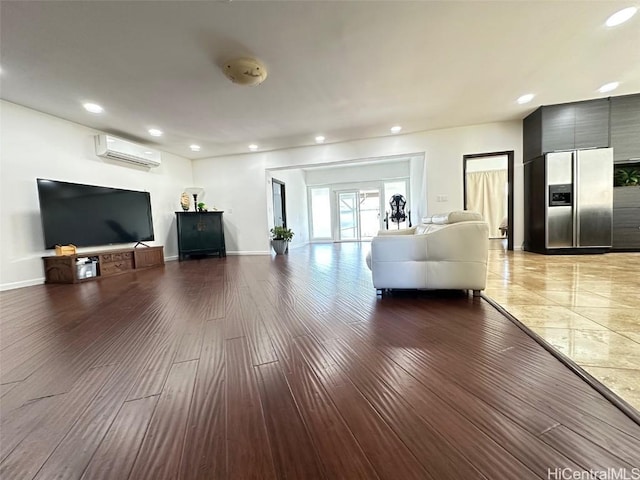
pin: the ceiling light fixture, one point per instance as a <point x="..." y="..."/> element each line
<point x="253" y="147"/>
<point x="194" y="148"/>
<point x="396" y="129"/>
<point x="608" y="87"/>
<point x="154" y="132"/>
<point x="245" y="71"/>
<point x="621" y="16"/>
<point x="320" y="139"/>
<point x="93" y="107"/>
<point x="525" y="98"/>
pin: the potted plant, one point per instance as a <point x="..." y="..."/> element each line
<point x="280" y="238"/>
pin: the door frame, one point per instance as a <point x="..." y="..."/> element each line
<point x="284" y="201"/>
<point x="357" y="215"/>
<point x="510" y="166"/>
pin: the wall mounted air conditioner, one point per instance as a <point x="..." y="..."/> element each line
<point x="115" y="148"/>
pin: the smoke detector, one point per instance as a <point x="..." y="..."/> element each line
<point x="245" y="71"/>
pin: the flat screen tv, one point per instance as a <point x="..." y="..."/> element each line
<point x="88" y="215"/>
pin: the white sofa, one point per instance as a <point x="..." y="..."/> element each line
<point x="447" y="251"/>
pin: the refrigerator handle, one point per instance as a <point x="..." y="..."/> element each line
<point x="576" y="196"/>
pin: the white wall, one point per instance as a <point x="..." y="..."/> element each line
<point x="358" y="173"/>
<point x="35" y="145"/>
<point x="418" y="188"/>
<point x="238" y="180"/>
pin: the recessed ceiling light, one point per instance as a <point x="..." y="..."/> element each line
<point x="154" y="132"/>
<point x="148" y="152"/>
<point x="194" y="148"/>
<point x="396" y="129"/>
<point x="608" y="87"/>
<point x="320" y="139"/>
<point x="93" y="107"/>
<point x="253" y="147"/>
<point x="525" y="98"/>
<point x="621" y="16"/>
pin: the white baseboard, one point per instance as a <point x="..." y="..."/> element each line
<point x="249" y="252"/>
<point x="24" y="283"/>
<point x="172" y="258"/>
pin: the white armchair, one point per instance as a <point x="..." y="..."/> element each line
<point x="449" y="252"/>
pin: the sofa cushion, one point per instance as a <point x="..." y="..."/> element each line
<point x="425" y="228"/>
<point x="455" y="217"/>
<point x="422" y="229"/>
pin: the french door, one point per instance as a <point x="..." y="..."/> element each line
<point x="358" y="214"/>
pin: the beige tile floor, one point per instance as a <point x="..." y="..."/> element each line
<point x="587" y="306"/>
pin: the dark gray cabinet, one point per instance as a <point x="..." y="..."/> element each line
<point x="567" y="126"/>
<point x="558" y="128"/>
<point x="625" y="128"/>
<point x="200" y="233"/>
<point x="592" y="124"/>
<point x="626" y="218"/>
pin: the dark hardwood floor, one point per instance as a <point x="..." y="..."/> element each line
<point x="286" y="367"/>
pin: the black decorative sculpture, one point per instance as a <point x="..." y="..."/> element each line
<point x="398" y="215"/>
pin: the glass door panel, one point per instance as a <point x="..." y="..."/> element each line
<point x="320" y="213"/>
<point x="397" y="187"/>
<point x="348" y="207"/>
<point x="369" y="213"/>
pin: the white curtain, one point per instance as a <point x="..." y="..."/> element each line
<point x="487" y="194"/>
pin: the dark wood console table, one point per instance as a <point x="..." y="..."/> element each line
<point x="200" y="233"/>
<point x="63" y="268"/>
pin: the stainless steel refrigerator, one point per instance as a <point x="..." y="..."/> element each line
<point x="579" y="198"/>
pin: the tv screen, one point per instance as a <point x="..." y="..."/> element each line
<point x="88" y="215"/>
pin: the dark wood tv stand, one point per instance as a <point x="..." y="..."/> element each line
<point x="63" y="268"/>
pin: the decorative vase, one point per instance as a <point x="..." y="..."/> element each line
<point x="184" y="201"/>
<point x="280" y="246"/>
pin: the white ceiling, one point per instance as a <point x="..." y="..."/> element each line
<point x="344" y="69"/>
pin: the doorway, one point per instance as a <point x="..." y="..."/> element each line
<point x="488" y="189"/>
<point x="358" y="214"/>
<point x="279" y="203"/>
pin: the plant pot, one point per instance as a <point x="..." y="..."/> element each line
<point x="280" y="246"/>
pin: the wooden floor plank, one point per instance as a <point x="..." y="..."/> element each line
<point x="245" y="420"/>
<point x="233" y="313"/>
<point x="204" y="450"/>
<point x="32" y="452"/>
<point x="119" y="448"/>
<point x="383" y="447"/>
<point x="15" y="427"/>
<point x="74" y="452"/>
<point x="584" y="452"/>
<point x="167" y="427"/>
<point x="292" y="450"/>
<point x="509" y="434"/>
<point x="257" y="336"/>
<point x="489" y="375"/>
<point x="338" y="450"/>
<point x="443" y="450"/>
